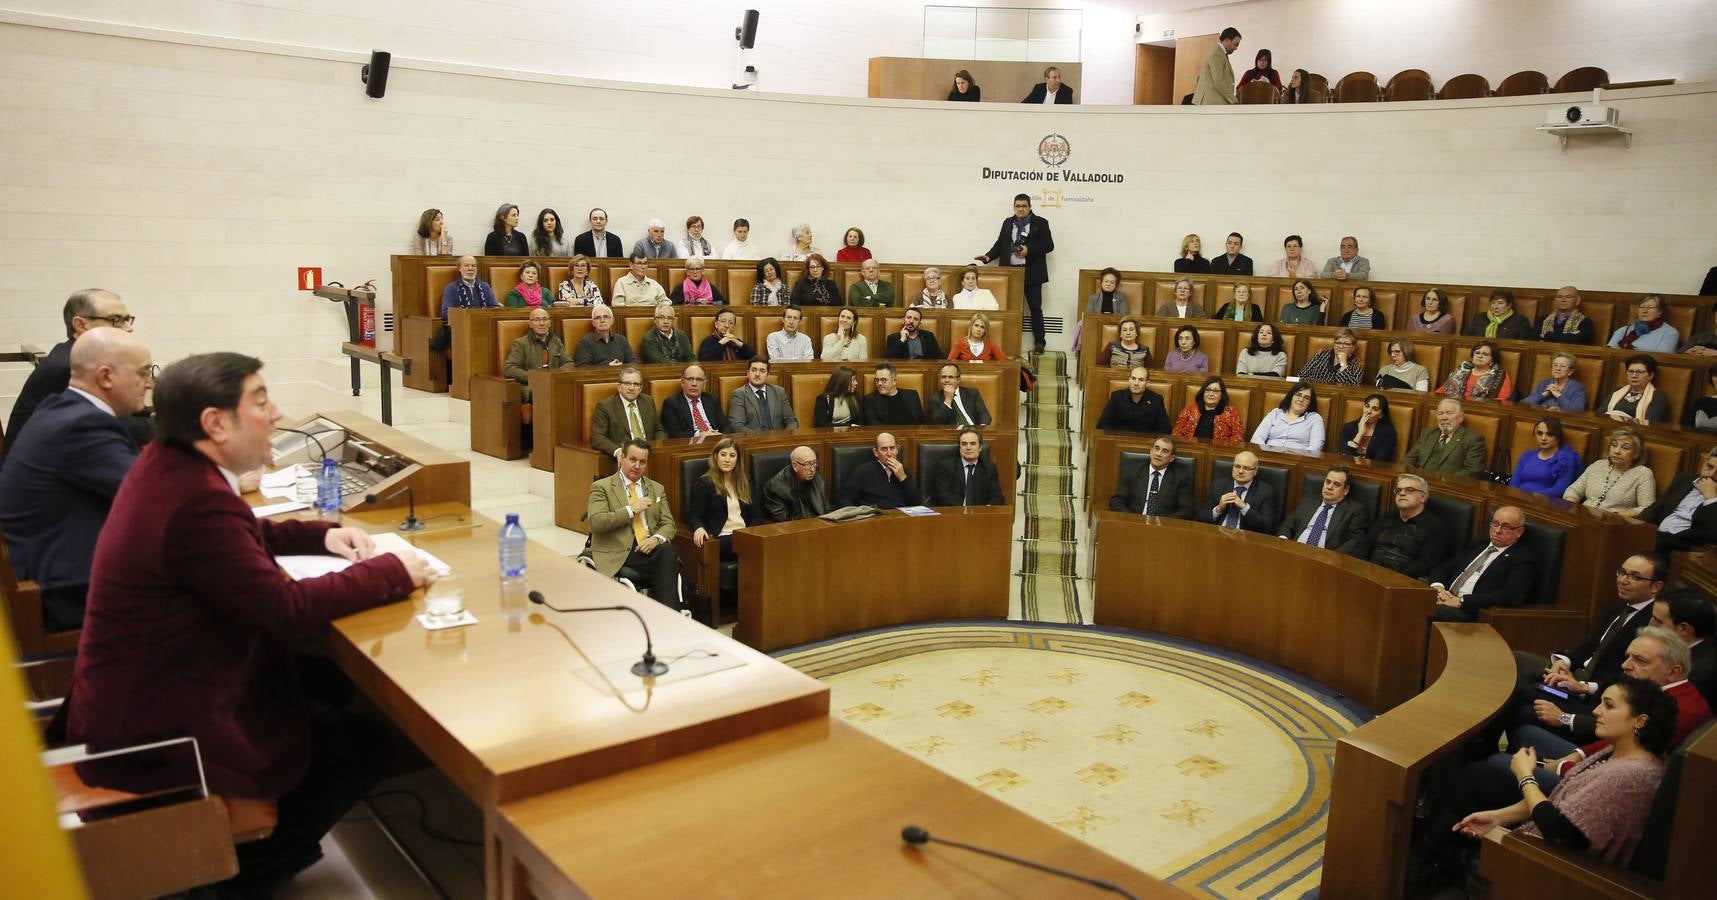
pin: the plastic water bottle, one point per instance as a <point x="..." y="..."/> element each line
<point x="328" y="491"/>
<point x="512" y="550"/>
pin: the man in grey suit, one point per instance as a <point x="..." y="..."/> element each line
<point x="1332" y="520"/>
<point x="758" y="405"/>
<point x="1157" y="489"/>
<point x="624" y="417"/>
<point x="1349" y="264"/>
<point x="1215" y="84"/>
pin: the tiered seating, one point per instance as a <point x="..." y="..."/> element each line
<point x="1417" y="84"/>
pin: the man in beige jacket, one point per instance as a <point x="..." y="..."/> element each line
<point x="1215" y="85"/>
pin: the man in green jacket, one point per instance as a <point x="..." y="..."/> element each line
<point x="538" y="348"/>
<point x="665" y="343"/>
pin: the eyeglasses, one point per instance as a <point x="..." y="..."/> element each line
<point x="1633" y="576"/>
<point x="1240" y="468"/>
<point x="631" y="384"/>
<point x="149" y="373"/>
<point x="1409" y="490"/>
<point x="1637" y="371"/>
<point x="1505" y="527"/>
<point x="116" y="320"/>
<point x="690" y="378"/>
<point x="810" y="464"/>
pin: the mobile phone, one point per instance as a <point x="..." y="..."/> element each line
<point x="1553" y="691"/>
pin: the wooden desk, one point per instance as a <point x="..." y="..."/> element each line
<point x="1356" y="627"/>
<point x="809" y="810"/>
<point x="808" y="580"/>
<point x="435" y="475"/>
<point x="1378" y="765"/>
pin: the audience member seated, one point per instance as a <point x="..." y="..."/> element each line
<point x="796" y="492"/>
<point x="976" y="346"/>
<point x="665" y="343"/>
<point x="1191" y="257"/>
<point x="741" y="246"/>
<point x="1617" y="483"/>
<point x="1209" y="416"/>
<point x="852" y="249"/>
<point x="1372" y="435"/>
<point x="464" y="292"/>
<point x="694" y="244"/>
<point x="578" y="288"/>
<point x="891" y="404"/>
<point x="1261" y="71"/>
<point x="970" y="296"/>
<point x="190" y="626"/>
<point x="1564" y="323"/>
<point x="912" y="342"/>
<point x="952" y="404"/>
<point x="602" y="346"/>
<point x="623" y="417"/>
<point x="528" y="291"/>
<point x="1241" y="308"/>
<point x="839" y="404"/>
<point x="504" y="238"/>
<point x="631" y="527"/>
<point x="721" y="499"/>
<point x="60" y="479"/>
<point x="758" y="405"/>
<point x="931" y="296"/>
<point x="1333" y="519"/>
<point x="1648" y="332"/>
<point x="1500" y="571"/>
<point x="1410" y="541"/>
<point x="1294" y="424"/>
<point x="1157" y="488"/>
<point x="885" y="485"/>
<point x="1264" y="355"/>
<point x="801" y="247"/>
<point x="1449" y="446"/>
<point x="655" y="244"/>
<point x="691" y="412"/>
<point x="1232" y="261"/>
<point x="723" y="343"/>
<point x="1347" y="265"/>
<point x="1702" y="413"/>
<point x="967" y="479"/>
<point x="1182" y="306"/>
<point x="965" y="90"/>
<point x="845" y="343"/>
<point x="816" y="288"/>
<point x="1551" y="467"/>
<point x="1109" y="299"/>
<point x="1501" y="322"/>
<point x="1050" y="90"/>
<point x="770" y="289"/>
<point x="789" y="344"/>
<point x="84" y="310"/>
<point x="1560" y="391"/>
<point x="1480" y="376"/>
<point x="1638" y="401"/>
<point x="636" y="287"/>
<point x="1125" y="351"/>
<point x="696" y="289"/>
<point x="537" y="348"/>
<point x="1684" y="515"/>
<point x="431" y="237"/>
<point x="597" y="243"/>
<point x="1434" y="316"/>
<point x="1292" y="264"/>
<point x="1135" y="407"/>
<point x="1364" y="313"/>
<point x="1337" y="363"/>
<point x="1307" y="308"/>
<point x="1299" y="87"/>
<point x="550" y="239"/>
<point x="1403" y="373"/>
<point x="1239" y="500"/>
<point x="1693" y="618"/>
<point x="1186" y="357"/>
<point x="870" y="290"/>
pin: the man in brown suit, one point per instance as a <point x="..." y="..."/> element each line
<point x="624" y="416"/>
<point x="1448" y="447"/>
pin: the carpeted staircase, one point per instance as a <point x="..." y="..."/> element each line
<point x="1049" y="501"/>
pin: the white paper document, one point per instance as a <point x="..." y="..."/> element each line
<point x="302" y="567"/>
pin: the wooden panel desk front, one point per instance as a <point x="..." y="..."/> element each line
<point x="1353" y="626"/>
<point x="805" y="581"/>
<point x="809" y="810"/>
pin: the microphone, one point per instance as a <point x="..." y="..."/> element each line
<point x="412" y="522"/>
<point x="649" y="666"/>
<point x="916" y="836"/>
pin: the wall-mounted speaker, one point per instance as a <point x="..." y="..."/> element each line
<point x="746" y="33"/>
<point x="375" y="74"/>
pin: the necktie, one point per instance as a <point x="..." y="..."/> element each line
<point x="634" y="421"/>
<point x="1471" y="570"/>
<point x="763" y="409"/>
<point x="1320" y="523"/>
<point x="639" y="534"/>
<point x="1151" y="495"/>
<point x="1232" y="520"/>
<point x="1610" y="633"/>
<point x="698" y="420"/>
<point x="968" y="500"/>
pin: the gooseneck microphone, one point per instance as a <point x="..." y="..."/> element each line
<point x="649" y="666"/>
<point x="412" y="522"/>
<point x="914" y="835"/>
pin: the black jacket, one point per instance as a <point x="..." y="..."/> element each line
<point x="1507" y="581"/>
<point x="1038" y="245"/>
<point x="787" y="499"/>
<point x="586" y="244"/>
<point x="1702" y="532"/>
<point x="871" y="485"/>
<point x="1148" y="416"/>
<point x="948" y="484"/>
<point x="1174" y="495"/>
<point x="709" y="509"/>
<point x="901" y="409"/>
<point x="677" y="415"/>
<point x="1263" y="507"/>
<point x="1608" y="664"/>
<point x="897" y="348"/>
<point x="1242" y="265"/>
<point x="497" y="244"/>
<point x="938" y="412"/>
<point x="1345" y="533"/>
<point x="1582" y="333"/>
<point x="1410" y="547"/>
<point x="1063" y="94"/>
<point x="1514" y="328"/>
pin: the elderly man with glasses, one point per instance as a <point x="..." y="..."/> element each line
<point x="84" y="310"/>
<point x="1411" y="541"/>
<point x="1499" y="571"/>
<point x="797" y="491"/>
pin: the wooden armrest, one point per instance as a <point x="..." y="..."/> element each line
<point x="1520" y="866"/>
<point x="1532" y="628"/>
<point x="496" y="427"/>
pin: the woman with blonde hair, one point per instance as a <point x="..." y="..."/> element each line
<point x="977" y="346"/>
<point x="1182" y="306"/>
<point x="1191" y="257"/>
<point x="1617" y="483"/>
<point x="577" y="288"/>
<point x="721" y="499"/>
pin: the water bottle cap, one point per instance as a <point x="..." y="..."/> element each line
<point x="327" y="462"/>
<point x="512" y="518"/>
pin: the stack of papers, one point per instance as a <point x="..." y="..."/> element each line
<point x="302" y="567"/>
<point x="282" y="484"/>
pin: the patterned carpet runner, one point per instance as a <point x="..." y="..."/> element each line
<point x="1049" y="589"/>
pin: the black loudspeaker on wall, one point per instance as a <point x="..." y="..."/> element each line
<point x="376" y="73"/>
<point x="746" y="34"/>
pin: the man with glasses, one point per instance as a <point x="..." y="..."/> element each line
<point x="952" y="404"/>
<point x="1349" y="264"/>
<point x="623" y="417"/>
<point x="538" y="348"/>
<point x="1686" y="514"/>
<point x="1411" y="541"/>
<point x="797" y="491"/>
<point x="602" y="347"/>
<point x="691" y="412"/>
<point x="1498" y="572"/>
<point x="1242" y="501"/>
<point x="1564" y="323"/>
<point x="666" y="343"/>
<point x="84" y="310"/>
<point x="60" y="478"/>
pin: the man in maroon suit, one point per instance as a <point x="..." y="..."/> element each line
<point x="189" y="620"/>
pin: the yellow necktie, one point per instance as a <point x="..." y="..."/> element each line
<point x="639" y="534"/>
<point x="635" y="421"/>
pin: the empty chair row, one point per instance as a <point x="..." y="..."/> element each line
<point x="1416" y="84"/>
